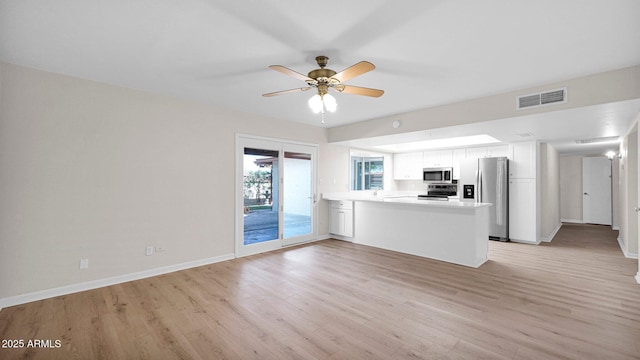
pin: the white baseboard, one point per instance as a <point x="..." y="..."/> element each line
<point x="343" y="238"/>
<point x="553" y="233"/>
<point x="525" y="242"/>
<point x="334" y="236"/>
<point x="615" y="227"/>
<point x="572" y="221"/>
<point x="638" y="277"/>
<point x="94" y="284"/>
<point x="627" y="254"/>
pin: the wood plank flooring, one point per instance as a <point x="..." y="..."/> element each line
<point x="574" y="298"/>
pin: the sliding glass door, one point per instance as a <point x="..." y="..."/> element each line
<point x="299" y="194"/>
<point x="276" y="194"/>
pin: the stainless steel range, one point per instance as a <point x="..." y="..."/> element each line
<point x="439" y="192"/>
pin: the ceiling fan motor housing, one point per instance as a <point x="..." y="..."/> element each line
<point x="322" y="75"/>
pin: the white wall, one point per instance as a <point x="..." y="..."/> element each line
<point x="628" y="237"/>
<point x="549" y="191"/>
<point x="571" y="188"/>
<point x="89" y="170"/>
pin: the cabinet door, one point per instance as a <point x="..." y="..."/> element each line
<point x="498" y="151"/>
<point x="407" y="166"/>
<point x="457" y="156"/>
<point x="347" y="220"/>
<point x="334" y="225"/>
<point x="438" y="158"/>
<point x="476" y="153"/>
<point x="523" y="160"/>
<point x="399" y="166"/>
<point x="522" y="210"/>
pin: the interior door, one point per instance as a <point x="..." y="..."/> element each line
<point x="596" y="190"/>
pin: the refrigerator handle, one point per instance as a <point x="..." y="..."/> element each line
<point x="500" y="188"/>
<point x="479" y="190"/>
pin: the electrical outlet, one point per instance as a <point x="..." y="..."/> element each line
<point x="149" y="250"/>
<point x="84" y="264"/>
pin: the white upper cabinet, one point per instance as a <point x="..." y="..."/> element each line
<point x="487" y="151"/>
<point x="438" y="158"/>
<point x="522" y="156"/>
<point x="523" y="160"/>
<point x="458" y="155"/>
<point x="498" y="151"/>
<point x="407" y="166"/>
<point x="476" y="152"/>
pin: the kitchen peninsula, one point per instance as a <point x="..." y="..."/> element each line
<point x="451" y="231"/>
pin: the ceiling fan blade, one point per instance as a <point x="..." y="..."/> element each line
<point x="286" y="91"/>
<point x="287" y="71"/>
<point x="357" y="90"/>
<point x="354" y="70"/>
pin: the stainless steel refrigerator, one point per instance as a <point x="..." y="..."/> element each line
<point x="487" y="180"/>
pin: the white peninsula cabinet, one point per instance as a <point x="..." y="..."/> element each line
<point x="341" y="222"/>
<point x="522" y="192"/>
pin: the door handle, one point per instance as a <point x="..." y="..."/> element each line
<point x="636" y="209"/>
<point x="586" y="193"/>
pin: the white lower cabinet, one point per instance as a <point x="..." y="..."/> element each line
<point x="341" y="218"/>
<point x="522" y="210"/>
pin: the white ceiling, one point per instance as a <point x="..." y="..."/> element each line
<point x="427" y="53"/>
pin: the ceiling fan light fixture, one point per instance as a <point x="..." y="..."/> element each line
<point x="320" y="103"/>
<point x="329" y="102"/>
<point x="315" y="103"/>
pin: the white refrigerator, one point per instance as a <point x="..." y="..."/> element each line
<point x="486" y="180"/>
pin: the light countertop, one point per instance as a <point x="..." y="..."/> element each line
<point x="409" y="198"/>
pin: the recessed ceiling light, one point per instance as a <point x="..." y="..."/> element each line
<point x="440" y="143"/>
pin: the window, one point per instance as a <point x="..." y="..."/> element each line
<point x="367" y="172"/>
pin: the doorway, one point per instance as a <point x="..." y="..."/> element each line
<point x="276" y="194"/>
<point x="596" y="190"/>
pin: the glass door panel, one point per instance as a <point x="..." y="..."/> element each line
<point x="258" y="199"/>
<point x="298" y="204"/>
<point x="260" y="195"/>
<point x="299" y="193"/>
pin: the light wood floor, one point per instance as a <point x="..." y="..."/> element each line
<point x="572" y="299"/>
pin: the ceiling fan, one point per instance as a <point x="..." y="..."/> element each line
<point x="324" y="79"/>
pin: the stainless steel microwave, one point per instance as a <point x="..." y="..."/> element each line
<point x="437" y="175"/>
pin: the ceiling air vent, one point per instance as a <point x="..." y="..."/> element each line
<point x="597" y="140"/>
<point x="557" y="96"/>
